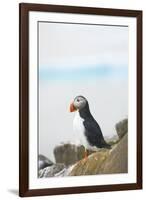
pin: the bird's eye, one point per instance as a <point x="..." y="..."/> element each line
<point x="78" y="100"/>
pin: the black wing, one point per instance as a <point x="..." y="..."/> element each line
<point x="94" y="134"/>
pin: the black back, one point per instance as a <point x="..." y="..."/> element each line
<point x="93" y="131"/>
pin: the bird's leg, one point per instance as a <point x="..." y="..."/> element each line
<point x="85" y="154"/>
<point x="83" y="161"/>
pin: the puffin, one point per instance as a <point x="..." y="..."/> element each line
<point x="86" y="127"/>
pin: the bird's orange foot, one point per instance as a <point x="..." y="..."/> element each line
<point x="84" y="160"/>
<point x="85" y="155"/>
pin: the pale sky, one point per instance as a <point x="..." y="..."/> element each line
<point x="86" y="60"/>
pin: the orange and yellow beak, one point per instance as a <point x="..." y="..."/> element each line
<point x="72" y="107"/>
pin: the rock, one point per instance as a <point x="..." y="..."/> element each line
<point x="90" y="166"/>
<point x="64" y="172"/>
<point x="117" y="161"/>
<point x="51" y="171"/>
<point x="70" y="162"/>
<point x="104" y="161"/>
<point x="44" y="162"/>
<point x="68" y="154"/>
<point x="122" y="128"/>
<point x="112" y="140"/>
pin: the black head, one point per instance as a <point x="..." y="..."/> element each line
<point x="78" y="104"/>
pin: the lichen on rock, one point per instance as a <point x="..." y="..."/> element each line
<point x="51" y="170"/>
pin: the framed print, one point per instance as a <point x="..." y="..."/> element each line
<point x="80" y="80"/>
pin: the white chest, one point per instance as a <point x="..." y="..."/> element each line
<point x="78" y="123"/>
<point x="79" y="130"/>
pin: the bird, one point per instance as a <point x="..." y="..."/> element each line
<point x="86" y="127"/>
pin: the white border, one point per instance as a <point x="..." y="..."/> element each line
<point x="130" y="177"/>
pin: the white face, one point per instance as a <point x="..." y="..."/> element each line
<point x="79" y="102"/>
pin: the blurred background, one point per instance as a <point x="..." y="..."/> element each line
<point x="88" y="60"/>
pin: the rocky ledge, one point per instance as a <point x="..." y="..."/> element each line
<point x="70" y="162"/>
<point x="104" y="161"/>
